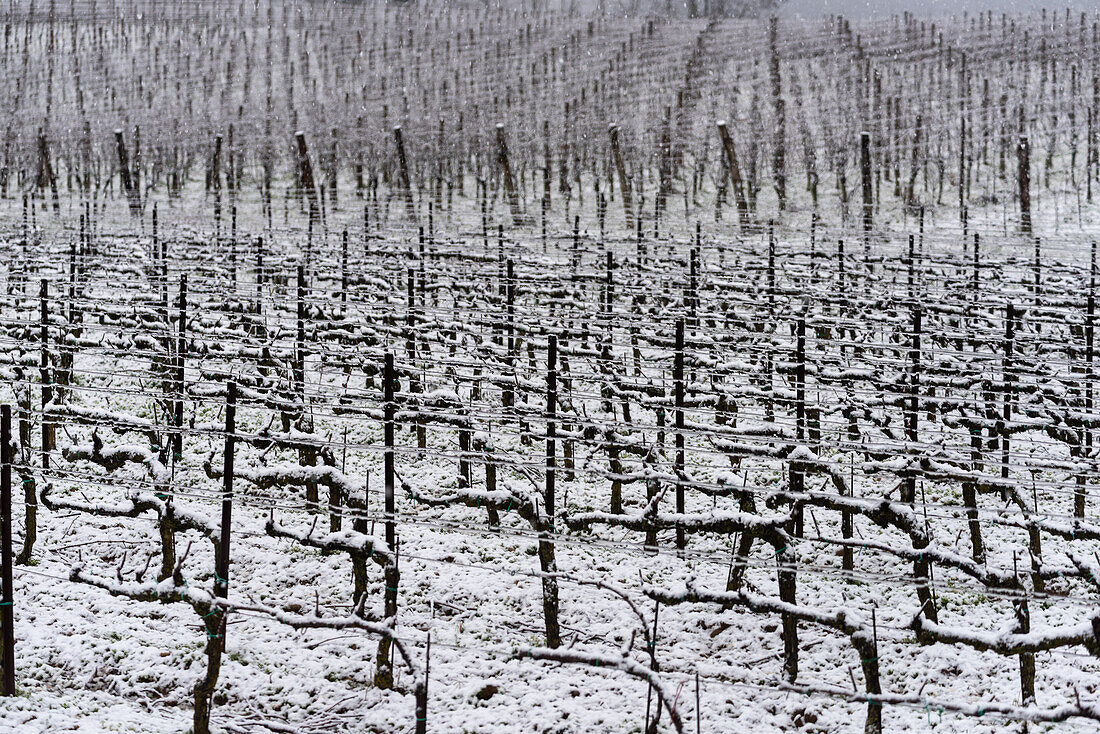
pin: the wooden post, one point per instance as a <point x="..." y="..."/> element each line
<point x="132" y="193"/>
<point x="181" y="388"/>
<point x="216" y="182"/>
<point x="969" y="488"/>
<point x="547" y="170"/>
<point x="841" y="289"/>
<point x="1027" y="659"/>
<point x="779" y="148"/>
<point x="1023" y="182"/>
<point x="866" y="187"/>
<point x="785" y="559"/>
<point x="1090" y="313"/>
<point x="508" y="289"/>
<point x="1006" y="397"/>
<point x="389" y="382"/>
<point x="464" y="468"/>
<point x="44" y="374"/>
<point x="976" y="278"/>
<point x="47" y="172"/>
<point x="921" y="566"/>
<point x="383" y="676"/>
<point x="771" y="269"/>
<point x="914" y="165"/>
<point x="509" y="179"/>
<point x="221" y="576"/>
<point x="664" y="170"/>
<point x="344" y="273"/>
<point x="735" y="175"/>
<point x="300" y="337"/>
<point x="624" y="181"/>
<point x="911" y="416"/>
<point x="305" y="169"/>
<point x="551" y="426"/>
<point x="796" y="475"/>
<point x="333" y="168"/>
<point x="678" y="397"/>
<point x="609" y="291"/>
<point x="545" y="527"/>
<point x="233" y="250"/>
<point x="7" y="613"/>
<point x="868" y="654"/>
<point x="847" y="559"/>
<point x="1037" y="270"/>
<point x="404" y="181"/>
<point x="259" y="274"/>
<point x="911" y="263"/>
<point x="962" y="172"/>
<point x="410" y="347"/>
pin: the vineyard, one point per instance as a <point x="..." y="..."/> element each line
<point x="447" y="367"/>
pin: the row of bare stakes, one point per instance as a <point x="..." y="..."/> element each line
<point x="316" y="210"/>
<point x="916" y="329"/>
<point x="775" y="60"/>
<point x="779" y="172"/>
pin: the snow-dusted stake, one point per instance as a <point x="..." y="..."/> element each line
<point x="867" y="190"/>
<point x="306" y="172"/>
<point x="795" y="472"/>
<point x="383" y="676"/>
<point x="181" y="388"/>
<point x="482" y="442"/>
<point x="46" y="173"/>
<point x="405" y="184"/>
<point x="779" y="141"/>
<point x="624" y="180"/>
<point x="506" y="173"/>
<point x="1023" y="182"/>
<point x="1081" y="493"/>
<point x="132" y="193"/>
<point x="411" y="346"/>
<point x="215" y="619"/>
<point x="912" y="411"/>
<point x="735" y="174"/>
<point x="7" y="613"/>
<point x="508" y="395"/>
<point x="1027" y="659"/>
<point x="300" y="338"/>
<point x="546" y="526"/>
<point x="678" y="396"/>
<point x="215" y="180"/>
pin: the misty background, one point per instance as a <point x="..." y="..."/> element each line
<point x="852" y="9"/>
<point x="855" y="9"/>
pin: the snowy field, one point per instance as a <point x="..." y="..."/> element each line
<point x="797" y="436"/>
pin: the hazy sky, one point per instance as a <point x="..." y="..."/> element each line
<point x="873" y="8"/>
